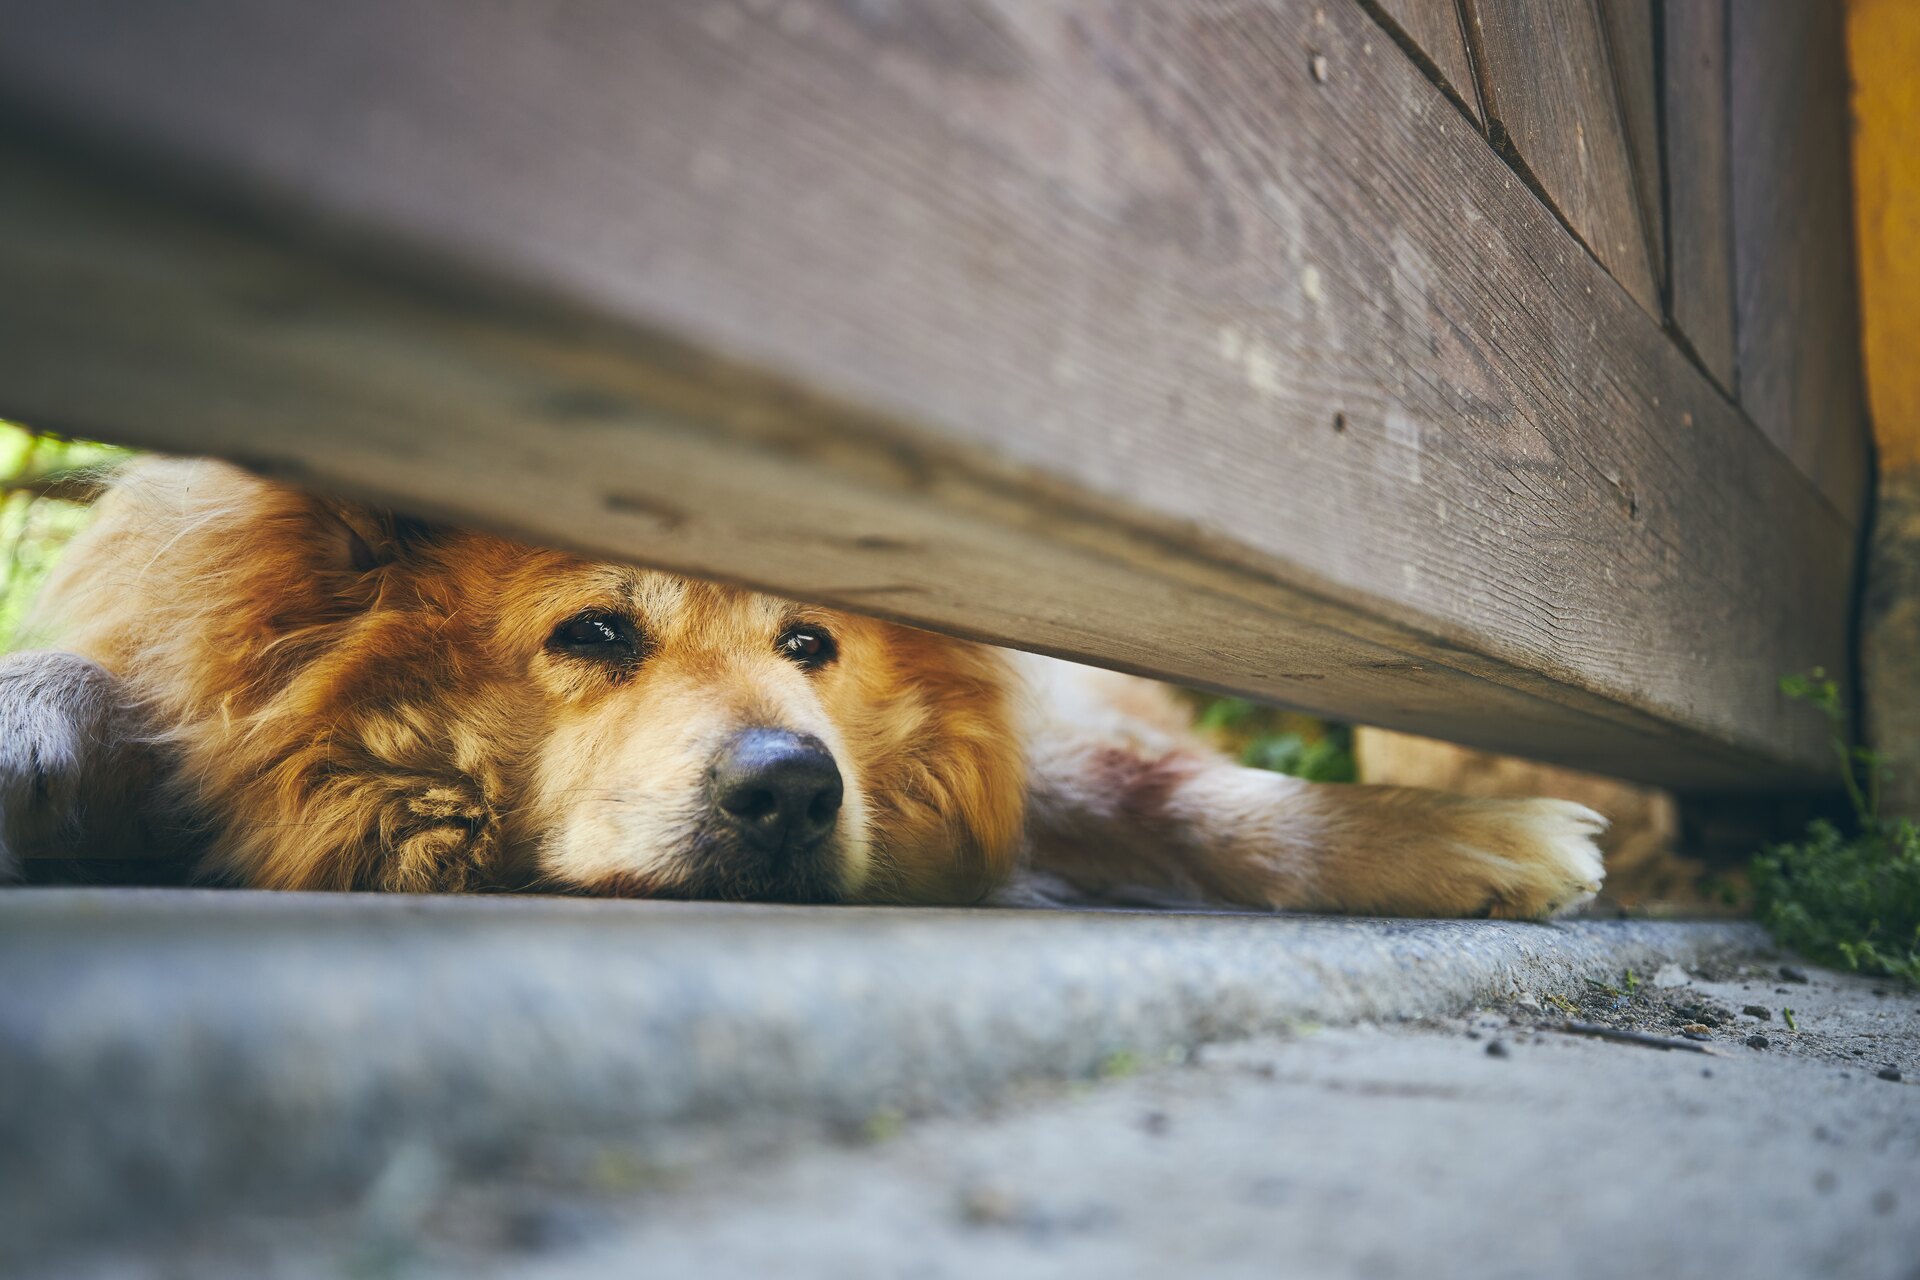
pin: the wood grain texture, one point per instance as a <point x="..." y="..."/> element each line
<point x="1797" y="316"/>
<point x="1548" y="90"/>
<point x="1433" y="28"/>
<point x="1002" y="326"/>
<point x="1628" y="26"/>
<point x="1700" y="182"/>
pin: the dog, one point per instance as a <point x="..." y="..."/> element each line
<point x="297" y="692"/>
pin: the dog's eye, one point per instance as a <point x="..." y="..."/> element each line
<point x="596" y="635"/>
<point x="811" y="647"/>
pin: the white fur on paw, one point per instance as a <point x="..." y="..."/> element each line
<point x="1553" y="860"/>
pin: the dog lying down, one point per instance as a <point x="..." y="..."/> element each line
<point x="301" y="693"/>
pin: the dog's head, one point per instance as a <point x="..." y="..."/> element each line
<point x="704" y="741"/>
<point x="366" y="702"/>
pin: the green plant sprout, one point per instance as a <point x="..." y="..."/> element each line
<point x="1847" y="898"/>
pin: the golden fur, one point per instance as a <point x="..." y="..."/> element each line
<point x="347" y="700"/>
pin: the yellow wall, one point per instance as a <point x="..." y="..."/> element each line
<point x="1884" y="48"/>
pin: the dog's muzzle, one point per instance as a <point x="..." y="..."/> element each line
<point x="777" y="795"/>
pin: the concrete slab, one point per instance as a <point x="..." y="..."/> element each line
<point x="1370" y="1152"/>
<point x="171" y="1058"/>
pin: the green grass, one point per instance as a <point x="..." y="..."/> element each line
<point x="1847" y="897"/>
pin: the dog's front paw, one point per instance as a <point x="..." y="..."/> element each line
<point x="1526" y="859"/>
<point x="438" y="836"/>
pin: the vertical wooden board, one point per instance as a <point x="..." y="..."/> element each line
<point x="1629" y="30"/>
<point x="1796" y="320"/>
<point x="1883" y="38"/>
<point x="1439" y="42"/>
<point x="1549" y="96"/>
<point x="1699" y="182"/>
<point x="1884" y="53"/>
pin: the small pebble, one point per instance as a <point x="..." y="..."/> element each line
<point x="987" y="1206"/>
<point x="1889" y="1073"/>
<point x="1707" y="1072"/>
<point x="1319" y="66"/>
<point x="1670" y="975"/>
<point x="1792" y="973"/>
<point x="1496" y="1048"/>
<point x="1759" y="1011"/>
<point x="1702" y="1013"/>
<point x="1758" y="1042"/>
<point x="1154" y="1122"/>
<point x="1697" y="1035"/>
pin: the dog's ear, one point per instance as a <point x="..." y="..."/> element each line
<point x="368" y="538"/>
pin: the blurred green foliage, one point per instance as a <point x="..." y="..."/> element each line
<point x="1849" y="898"/>
<point x="46" y="484"/>
<point x="1283" y="741"/>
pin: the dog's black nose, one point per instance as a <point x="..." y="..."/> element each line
<point x="781" y="791"/>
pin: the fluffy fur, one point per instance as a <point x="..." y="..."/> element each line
<point x="315" y="695"/>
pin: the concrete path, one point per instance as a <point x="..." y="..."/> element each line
<point x="1368" y="1152"/>
<point x="259" y="1085"/>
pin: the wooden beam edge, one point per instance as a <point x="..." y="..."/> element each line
<point x="585" y="366"/>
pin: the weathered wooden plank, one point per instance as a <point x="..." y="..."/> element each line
<point x="1432" y="29"/>
<point x="1699" y="182"/>
<point x="1090" y="328"/>
<point x="1883" y="48"/>
<point x="1628" y="25"/>
<point x="1549" y="96"/>
<point x="1797" y="313"/>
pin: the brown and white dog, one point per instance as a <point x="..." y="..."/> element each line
<point x="307" y="694"/>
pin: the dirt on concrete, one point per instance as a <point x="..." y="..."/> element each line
<point x="1856" y="1023"/>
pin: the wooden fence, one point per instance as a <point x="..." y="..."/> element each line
<point x="1485" y="371"/>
